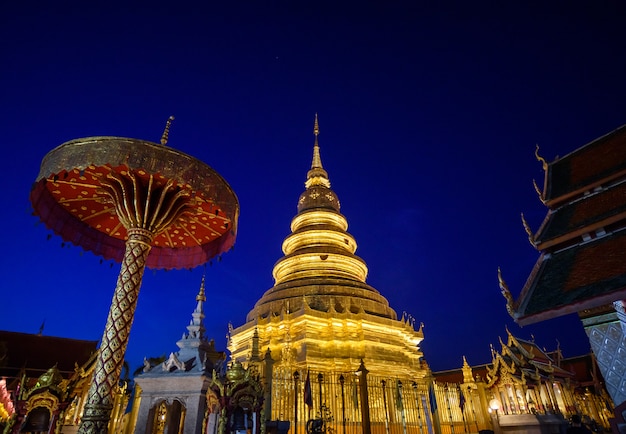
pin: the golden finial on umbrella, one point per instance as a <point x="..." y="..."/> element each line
<point x="166" y="132"/>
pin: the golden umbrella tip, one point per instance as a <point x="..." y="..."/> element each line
<point x="166" y="132"/>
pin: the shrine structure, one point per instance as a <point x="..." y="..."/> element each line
<point x="182" y="394"/>
<point x="526" y="386"/>
<point x="46" y="380"/>
<point x="582" y="243"/>
<point x="324" y="328"/>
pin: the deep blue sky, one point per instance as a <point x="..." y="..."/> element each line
<point x="429" y="115"/>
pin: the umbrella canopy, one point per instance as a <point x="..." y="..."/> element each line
<point x="68" y="196"/>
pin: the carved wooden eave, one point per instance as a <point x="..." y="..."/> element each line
<point x="529" y="355"/>
<point x="543" y="367"/>
<point x="515" y="360"/>
<point x="500" y="371"/>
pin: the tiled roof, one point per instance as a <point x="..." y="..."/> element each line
<point x="584" y="276"/>
<point x="588" y="213"/>
<point x="603" y="158"/>
<point x="39" y="353"/>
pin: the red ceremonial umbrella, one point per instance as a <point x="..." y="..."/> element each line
<point x="139" y="203"/>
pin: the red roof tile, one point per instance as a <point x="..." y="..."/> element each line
<point x="39" y="353"/>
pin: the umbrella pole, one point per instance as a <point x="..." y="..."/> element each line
<point x="115" y="337"/>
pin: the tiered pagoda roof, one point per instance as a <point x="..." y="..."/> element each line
<point x="523" y="361"/>
<point x="320" y="268"/>
<point x="582" y="238"/>
<point x="321" y="313"/>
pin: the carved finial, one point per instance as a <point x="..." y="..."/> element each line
<point x="201" y="296"/>
<point x="544" y="164"/>
<point x="504" y="288"/>
<point x="539" y="192"/>
<point x="166" y="132"/>
<point x="529" y="232"/>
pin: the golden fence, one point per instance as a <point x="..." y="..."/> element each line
<point x="396" y="405"/>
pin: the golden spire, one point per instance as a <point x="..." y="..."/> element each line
<point x="539" y="158"/>
<point x="317" y="160"/>
<point x="468" y="376"/>
<point x="201" y="296"/>
<point x="317" y="175"/>
<point x="166" y="132"/>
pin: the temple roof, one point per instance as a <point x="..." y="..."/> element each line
<point x="38" y="353"/>
<point x="582" y="238"/>
<point x="572" y="220"/>
<point x="597" y="162"/>
<point x="584" y="276"/>
<point x="523" y="361"/>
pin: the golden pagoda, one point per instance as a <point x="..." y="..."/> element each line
<point x="321" y="317"/>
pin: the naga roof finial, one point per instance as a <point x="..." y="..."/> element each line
<point x="504" y="288"/>
<point x="529" y="232"/>
<point x="544" y="164"/>
<point x="539" y="192"/>
<point x="166" y="132"/>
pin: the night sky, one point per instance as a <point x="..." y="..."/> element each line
<point x="429" y="115"/>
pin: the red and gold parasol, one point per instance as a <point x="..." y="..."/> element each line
<point x="140" y="203"/>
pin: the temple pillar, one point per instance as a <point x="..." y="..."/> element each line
<point x="607" y="336"/>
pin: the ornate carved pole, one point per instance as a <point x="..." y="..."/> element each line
<point x="145" y="212"/>
<point x="115" y="338"/>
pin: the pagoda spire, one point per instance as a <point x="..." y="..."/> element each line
<point x="195" y="329"/>
<point x="317" y="160"/>
<point x="317" y="175"/>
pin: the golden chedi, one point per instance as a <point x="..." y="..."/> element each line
<point x="321" y="314"/>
